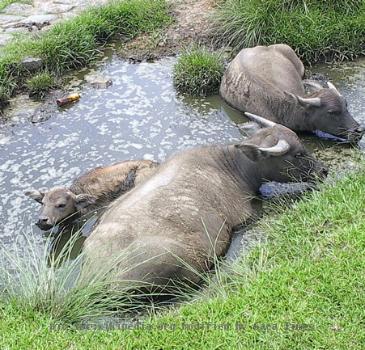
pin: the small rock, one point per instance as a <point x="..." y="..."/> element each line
<point x="19" y="9"/>
<point x="98" y="81"/>
<point x="40" y="116"/>
<point x="44" y="112"/>
<point x="32" y="64"/>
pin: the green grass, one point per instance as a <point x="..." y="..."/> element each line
<point x="43" y="281"/>
<point x="40" y="84"/>
<point x="74" y="43"/>
<point x="303" y="289"/>
<point x="198" y="72"/>
<point x="318" y="30"/>
<point x="4" y="3"/>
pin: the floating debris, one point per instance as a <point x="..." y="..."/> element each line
<point x="69" y="99"/>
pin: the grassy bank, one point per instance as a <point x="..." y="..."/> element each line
<point x="304" y="289"/>
<point x="75" y="43"/>
<point x="317" y="30"/>
<point x="198" y="71"/>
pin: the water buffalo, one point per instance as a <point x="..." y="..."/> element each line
<point x="267" y="80"/>
<point x="96" y="188"/>
<point x="172" y="226"/>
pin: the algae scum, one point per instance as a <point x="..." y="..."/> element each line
<point x="139" y="116"/>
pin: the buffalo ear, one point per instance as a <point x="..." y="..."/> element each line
<point x="251" y="151"/>
<point x="35" y="194"/>
<point x="312" y="85"/>
<point x="82" y="201"/>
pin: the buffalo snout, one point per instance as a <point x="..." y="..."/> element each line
<point x="44" y="223"/>
<point x="357" y="133"/>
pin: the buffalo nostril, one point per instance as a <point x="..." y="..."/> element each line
<point x="43" y="220"/>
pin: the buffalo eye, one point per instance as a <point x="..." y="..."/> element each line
<point x="299" y="155"/>
<point x="61" y="205"/>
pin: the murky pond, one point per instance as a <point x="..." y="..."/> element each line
<point x="139" y="116"/>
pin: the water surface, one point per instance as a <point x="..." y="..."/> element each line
<point x="139" y="116"/>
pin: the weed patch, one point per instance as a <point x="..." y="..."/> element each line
<point x="317" y="30"/>
<point x="198" y="72"/>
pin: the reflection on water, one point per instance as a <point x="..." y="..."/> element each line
<point x="139" y="116"/>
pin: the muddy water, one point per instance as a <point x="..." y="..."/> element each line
<point x="139" y="116"/>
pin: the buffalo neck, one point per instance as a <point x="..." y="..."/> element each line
<point x="291" y="114"/>
<point x="241" y="169"/>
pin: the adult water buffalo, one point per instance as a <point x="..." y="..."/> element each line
<point x="267" y="80"/>
<point x="96" y="188"/>
<point x="183" y="215"/>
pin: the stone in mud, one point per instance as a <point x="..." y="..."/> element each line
<point x="47" y="109"/>
<point x="98" y="81"/>
<point x="41" y="114"/>
<point x="32" y="64"/>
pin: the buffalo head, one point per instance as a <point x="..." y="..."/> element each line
<point x="326" y="110"/>
<point x="282" y="155"/>
<point x="58" y="204"/>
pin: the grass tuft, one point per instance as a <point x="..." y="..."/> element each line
<point x="198" y="72"/>
<point x="74" y="43"/>
<point x="40" y="84"/>
<point x="317" y="30"/>
<point x="59" y="287"/>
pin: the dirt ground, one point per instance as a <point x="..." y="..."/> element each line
<point x="191" y="24"/>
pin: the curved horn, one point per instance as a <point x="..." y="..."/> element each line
<point x="332" y="87"/>
<point x="279" y="149"/>
<point x="312" y="101"/>
<point x="260" y="120"/>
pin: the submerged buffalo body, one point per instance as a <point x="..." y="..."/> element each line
<point x="96" y="188"/>
<point x="170" y="227"/>
<point x="267" y="80"/>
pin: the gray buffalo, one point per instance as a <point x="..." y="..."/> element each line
<point x="94" y="189"/>
<point x="267" y="80"/>
<point x="172" y="226"/>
